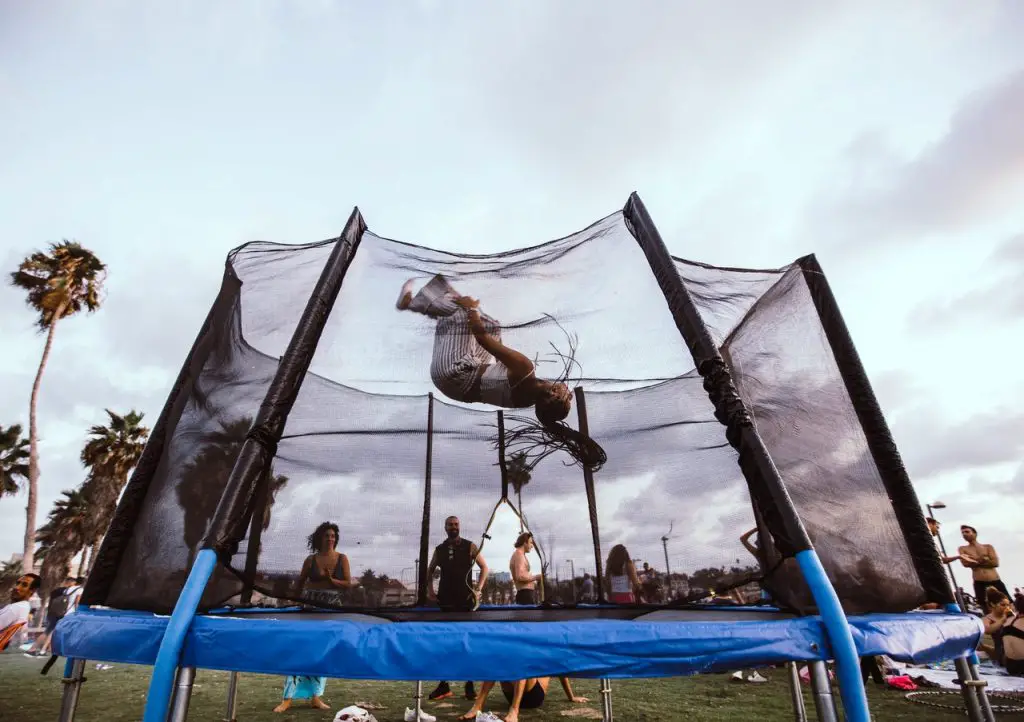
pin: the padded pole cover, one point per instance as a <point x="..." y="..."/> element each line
<point x="237" y="504"/>
<point x="763" y="478"/>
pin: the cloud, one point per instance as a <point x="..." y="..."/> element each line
<point x="1000" y="300"/>
<point x="975" y="169"/>
<point x="933" y="446"/>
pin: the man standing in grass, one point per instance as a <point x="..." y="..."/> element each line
<point x="982" y="560"/>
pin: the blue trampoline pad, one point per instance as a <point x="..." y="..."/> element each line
<point x="347" y="646"/>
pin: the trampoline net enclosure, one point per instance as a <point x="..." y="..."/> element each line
<point x="370" y="445"/>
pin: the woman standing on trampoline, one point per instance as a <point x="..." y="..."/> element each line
<point x="471" y="364"/>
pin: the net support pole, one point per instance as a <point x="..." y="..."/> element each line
<point x="182" y="694"/>
<point x="588" y="481"/>
<point x="237" y="505"/>
<point x="231" y="713"/>
<point x="421" y="567"/>
<point x="502" y="462"/>
<point x="758" y="468"/>
<point x="821" y="688"/>
<point x="161" y="684"/>
<point x="74" y="675"/>
<point x="796" y="693"/>
<point x="249" y="473"/>
<point x="881" y="446"/>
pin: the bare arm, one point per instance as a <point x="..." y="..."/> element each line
<point x="568" y="691"/>
<point x="745" y="541"/>
<point x="304" y="574"/>
<point x="990" y="560"/>
<point x="483" y="567"/>
<point x="518" y="365"/>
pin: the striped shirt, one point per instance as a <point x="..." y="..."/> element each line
<point x="458" y="359"/>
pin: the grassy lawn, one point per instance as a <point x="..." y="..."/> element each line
<point x="118" y="695"/>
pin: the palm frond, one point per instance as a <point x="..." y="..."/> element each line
<point x="61" y="282"/>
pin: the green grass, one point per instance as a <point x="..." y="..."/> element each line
<point x="118" y="695"/>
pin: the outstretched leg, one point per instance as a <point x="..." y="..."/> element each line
<point x="458" y="358"/>
<point x="436" y="299"/>
<point x="481" y="700"/>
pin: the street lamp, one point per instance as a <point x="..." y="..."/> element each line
<point x="956" y="589"/>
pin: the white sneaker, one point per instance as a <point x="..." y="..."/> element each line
<point x="755" y="677"/>
<point x="487" y="717"/>
<point x="410" y="716"/>
<point x="401" y="304"/>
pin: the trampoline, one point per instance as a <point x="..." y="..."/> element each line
<point x="723" y="399"/>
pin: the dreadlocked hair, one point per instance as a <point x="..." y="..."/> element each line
<point x="538" y="438"/>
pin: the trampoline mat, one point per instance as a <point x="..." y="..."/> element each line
<point x="346" y="646"/>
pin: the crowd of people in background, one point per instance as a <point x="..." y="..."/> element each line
<point x="326" y="576"/>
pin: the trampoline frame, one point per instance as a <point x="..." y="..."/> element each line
<point x="244" y="492"/>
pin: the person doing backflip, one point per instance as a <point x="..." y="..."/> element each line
<point x="471" y="364"/>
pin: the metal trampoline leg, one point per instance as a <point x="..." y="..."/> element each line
<point x="979" y="687"/>
<point x="967" y="688"/>
<point x="182" y="694"/>
<point x="74" y="675"/>
<point x="824" y="703"/>
<point x="797" y="694"/>
<point x="606" y="700"/>
<point x="231" y="714"/>
<point x="419" y="697"/>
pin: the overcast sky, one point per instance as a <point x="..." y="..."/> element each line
<point x="887" y="140"/>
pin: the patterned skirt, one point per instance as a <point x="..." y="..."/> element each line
<point x="303" y="687"/>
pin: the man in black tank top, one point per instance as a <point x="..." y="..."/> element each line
<point x="456" y="592"/>
<point x="455" y="558"/>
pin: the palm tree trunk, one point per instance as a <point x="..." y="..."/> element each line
<point x="28" y="560"/>
<point x="92" y="555"/>
<point x="82" y="568"/>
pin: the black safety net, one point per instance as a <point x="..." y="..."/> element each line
<point x="371" y="446"/>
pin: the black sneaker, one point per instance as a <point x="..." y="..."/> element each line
<point x="442" y="691"/>
<point x="470" y="691"/>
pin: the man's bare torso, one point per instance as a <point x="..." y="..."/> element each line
<point x="984" y="554"/>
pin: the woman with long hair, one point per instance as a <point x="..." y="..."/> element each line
<point x="325" y="569"/>
<point x="471" y="364"/>
<point x="623" y="583"/>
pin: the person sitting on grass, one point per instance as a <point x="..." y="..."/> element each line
<point x="15" y="615"/>
<point x="524" y="694"/>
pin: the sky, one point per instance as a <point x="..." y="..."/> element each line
<point x="888" y="141"/>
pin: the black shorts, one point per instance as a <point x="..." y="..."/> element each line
<point x="526" y="596"/>
<point x="979" y="591"/>
<point x="533" y="698"/>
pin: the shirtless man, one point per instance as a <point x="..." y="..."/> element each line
<point x="982" y="560"/>
<point x="526" y="693"/>
<point x="519" y="565"/>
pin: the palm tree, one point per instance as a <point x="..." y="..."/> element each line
<point x="59" y="283"/>
<point x="111" y="452"/>
<point x="205" y="477"/>
<point x="9" y="574"/>
<point x="13" y="459"/>
<point x="62" y="537"/>
<point x="518" y="472"/>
